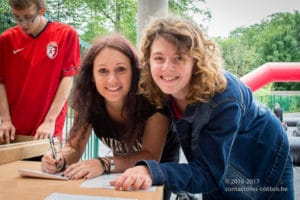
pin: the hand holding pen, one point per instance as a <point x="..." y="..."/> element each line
<point x="59" y="162"/>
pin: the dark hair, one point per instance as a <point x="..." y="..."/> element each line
<point x="88" y="103"/>
<point x="20" y="5"/>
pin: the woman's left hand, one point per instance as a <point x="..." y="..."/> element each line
<point x="133" y="178"/>
<point x="84" y="169"/>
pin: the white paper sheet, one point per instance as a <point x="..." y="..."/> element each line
<point x="61" y="196"/>
<point x="39" y="174"/>
<point x="103" y="182"/>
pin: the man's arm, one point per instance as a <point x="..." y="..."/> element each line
<point x="47" y="128"/>
<point x="7" y="129"/>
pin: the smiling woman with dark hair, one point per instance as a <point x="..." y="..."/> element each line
<point x="106" y="100"/>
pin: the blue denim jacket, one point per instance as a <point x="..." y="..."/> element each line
<point x="232" y="144"/>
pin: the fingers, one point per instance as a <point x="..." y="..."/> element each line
<point x="91" y="174"/>
<point x="142" y="183"/>
<point x="146" y="184"/>
<point x="75" y="171"/>
<point x="48" y="164"/>
<point x="119" y="182"/>
<point x="44" y="131"/>
<point x="41" y="136"/>
<point x="7" y="132"/>
<point x="131" y="182"/>
<point x="2" y="136"/>
<point x="134" y="178"/>
<point x="51" y="165"/>
<point x="12" y="133"/>
<point x="86" y="169"/>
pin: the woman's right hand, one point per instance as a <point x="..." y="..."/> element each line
<point x="51" y="165"/>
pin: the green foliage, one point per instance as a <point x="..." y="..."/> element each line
<point x="276" y="39"/>
<point x="238" y="56"/>
<point x="190" y="9"/>
<point x="93" y="18"/>
<point x="110" y="16"/>
<point x="6" y="20"/>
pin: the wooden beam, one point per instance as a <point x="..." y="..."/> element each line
<point x="23" y="148"/>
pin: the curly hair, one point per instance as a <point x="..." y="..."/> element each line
<point x="88" y="103"/>
<point x="207" y="76"/>
<point x="20" y="5"/>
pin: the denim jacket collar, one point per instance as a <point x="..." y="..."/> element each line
<point x="191" y="111"/>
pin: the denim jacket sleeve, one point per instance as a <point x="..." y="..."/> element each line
<point x="155" y="171"/>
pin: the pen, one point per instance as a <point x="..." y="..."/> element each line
<point x="54" y="152"/>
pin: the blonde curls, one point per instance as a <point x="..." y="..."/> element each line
<point x="207" y="76"/>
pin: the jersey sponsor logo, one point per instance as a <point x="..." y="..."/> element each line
<point x="52" y="50"/>
<point x="17" y="50"/>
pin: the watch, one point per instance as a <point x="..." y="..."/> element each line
<point x="112" y="166"/>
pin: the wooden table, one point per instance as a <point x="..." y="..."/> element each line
<point x="13" y="186"/>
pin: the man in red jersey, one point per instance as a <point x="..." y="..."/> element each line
<point x="38" y="59"/>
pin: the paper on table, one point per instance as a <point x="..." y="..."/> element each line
<point x="103" y="182"/>
<point x="39" y="174"/>
<point x="61" y="196"/>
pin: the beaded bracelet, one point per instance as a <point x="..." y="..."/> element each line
<point x="105" y="165"/>
<point x="108" y="164"/>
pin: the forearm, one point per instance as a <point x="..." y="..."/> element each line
<point x="61" y="97"/>
<point x="127" y="161"/>
<point x="4" y="108"/>
<point x="70" y="154"/>
<point x="152" y="144"/>
<point x="76" y="143"/>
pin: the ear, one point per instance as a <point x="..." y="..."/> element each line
<point x="43" y="10"/>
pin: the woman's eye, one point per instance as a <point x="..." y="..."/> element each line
<point x="102" y="71"/>
<point x="121" y="69"/>
<point x="178" y="58"/>
<point x="158" y="59"/>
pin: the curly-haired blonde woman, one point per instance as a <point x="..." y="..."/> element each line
<point x="235" y="147"/>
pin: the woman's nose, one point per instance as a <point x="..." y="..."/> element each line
<point x="112" y="77"/>
<point x="168" y="64"/>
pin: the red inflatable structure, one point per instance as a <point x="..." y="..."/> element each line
<point x="277" y="72"/>
<point x="272" y="72"/>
